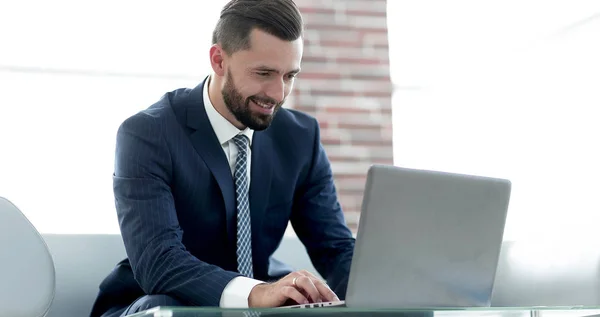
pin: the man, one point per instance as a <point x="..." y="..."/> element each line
<point x="206" y="180"/>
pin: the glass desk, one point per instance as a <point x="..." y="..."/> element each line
<point x="351" y="312"/>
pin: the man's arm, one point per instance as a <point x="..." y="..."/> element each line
<point x="318" y="221"/>
<point x="148" y="220"/>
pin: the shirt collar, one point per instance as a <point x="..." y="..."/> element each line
<point x="224" y="130"/>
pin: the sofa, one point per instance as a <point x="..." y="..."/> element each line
<point x="529" y="274"/>
<point x="82" y="260"/>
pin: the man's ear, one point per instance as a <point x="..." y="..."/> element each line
<point x="217" y="56"/>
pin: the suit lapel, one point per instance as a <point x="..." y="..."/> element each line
<point x="260" y="178"/>
<point x="207" y="145"/>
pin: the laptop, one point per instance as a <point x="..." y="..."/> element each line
<point x="426" y="239"/>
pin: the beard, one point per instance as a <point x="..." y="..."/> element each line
<point x="240" y="106"/>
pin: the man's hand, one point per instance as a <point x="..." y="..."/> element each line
<point x="300" y="287"/>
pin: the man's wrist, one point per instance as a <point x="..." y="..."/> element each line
<point x="237" y="291"/>
<point x="255" y="293"/>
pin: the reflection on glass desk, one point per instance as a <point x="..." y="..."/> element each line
<point x="350" y="312"/>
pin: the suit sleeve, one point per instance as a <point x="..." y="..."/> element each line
<point x="148" y="219"/>
<point x="318" y="220"/>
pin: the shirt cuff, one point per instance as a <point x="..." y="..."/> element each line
<point x="235" y="294"/>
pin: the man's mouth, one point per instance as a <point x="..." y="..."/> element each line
<point x="263" y="104"/>
<point x="263" y="107"/>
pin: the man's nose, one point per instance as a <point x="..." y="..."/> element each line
<point x="276" y="90"/>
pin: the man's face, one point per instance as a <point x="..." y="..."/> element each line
<point x="258" y="80"/>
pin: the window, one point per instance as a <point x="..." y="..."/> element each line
<point x="505" y="89"/>
<point x="70" y="73"/>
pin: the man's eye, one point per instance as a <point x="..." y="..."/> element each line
<point x="263" y="74"/>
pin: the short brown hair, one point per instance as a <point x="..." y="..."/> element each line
<point x="280" y="18"/>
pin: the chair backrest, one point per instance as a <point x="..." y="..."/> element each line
<point x="548" y="273"/>
<point x="82" y="261"/>
<point x="27" y="281"/>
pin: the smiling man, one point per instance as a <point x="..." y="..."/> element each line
<point x="207" y="179"/>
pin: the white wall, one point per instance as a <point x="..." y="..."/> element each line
<point x="70" y="73"/>
<point x="505" y="89"/>
<point x="499" y="88"/>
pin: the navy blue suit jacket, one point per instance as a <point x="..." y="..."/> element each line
<point x="176" y="204"/>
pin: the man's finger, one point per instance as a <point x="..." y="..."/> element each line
<point x="325" y="291"/>
<point x="293" y="294"/>
<point x="322" y="287"/>
<point x="305" y="283"/>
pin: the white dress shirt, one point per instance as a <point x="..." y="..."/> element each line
<point x="235" y="294"/>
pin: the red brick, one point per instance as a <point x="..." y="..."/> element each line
<point x="366" y="13"/>
<point x="340" y="20"/>
<point x="344" y="191"/>
<point x="347" y="158"/>
<point x="343" y="43"/>
<point x="348" y="93"/>
<point x="360" y="40"/>
<point x="354" y="186"/>
<point x="311" y="109"/>
<point x="350" y="202"/>
<point x="307" y="10"/>
<point x="341" y="85"/>
<point x="330" y="140"/>
<point x="341" y="27"/>
<point x="342" y="106"/>
<point x="340" y="109"/>
<point x="350" y="12"/>
<point x="312" y="35"/>
<point x="353" y="167"/>
<point x="373" y="142"/>
<point x="375" y="39"/>
<point x="370" y="21"/>
<point x="349" y="176"/>
<point x="347" y="119"/>
<point x="362" y="6"/>
<point x="317" y="59"/>
<point x="365" y="125"/>
<point x="371" y="55"/>
<point x="319" y="75"/>
<point x="345" y="150"/>
<point x="365" y="151"/>
<point x="339" y="76"/>
<point x="362" y="60"/>
<point x="368" y="136"/>
<point x="388" y="161"/>
<point x="348" y="70"/>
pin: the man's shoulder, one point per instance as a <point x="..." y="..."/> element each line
<point x="294" y="121"/>
<point x="160" y="112"/>
<point x="294" y="132"/>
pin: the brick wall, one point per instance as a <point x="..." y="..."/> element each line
<point x="345" y="83"/>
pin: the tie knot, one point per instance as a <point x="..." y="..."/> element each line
<point x="241" y="141"/>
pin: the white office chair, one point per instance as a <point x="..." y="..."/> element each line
<point x="27" y="282"/>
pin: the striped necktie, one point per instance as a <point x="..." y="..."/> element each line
<point x="244" y="232"/>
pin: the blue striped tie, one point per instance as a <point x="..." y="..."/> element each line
<point x="244" y="232"/>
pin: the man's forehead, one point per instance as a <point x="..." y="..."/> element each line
<point x="265" y="42"/>
<point x="274" y="69"/>
<point x="265" y="60"/>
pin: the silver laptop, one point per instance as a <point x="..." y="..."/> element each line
<point x="426" y="239"/>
